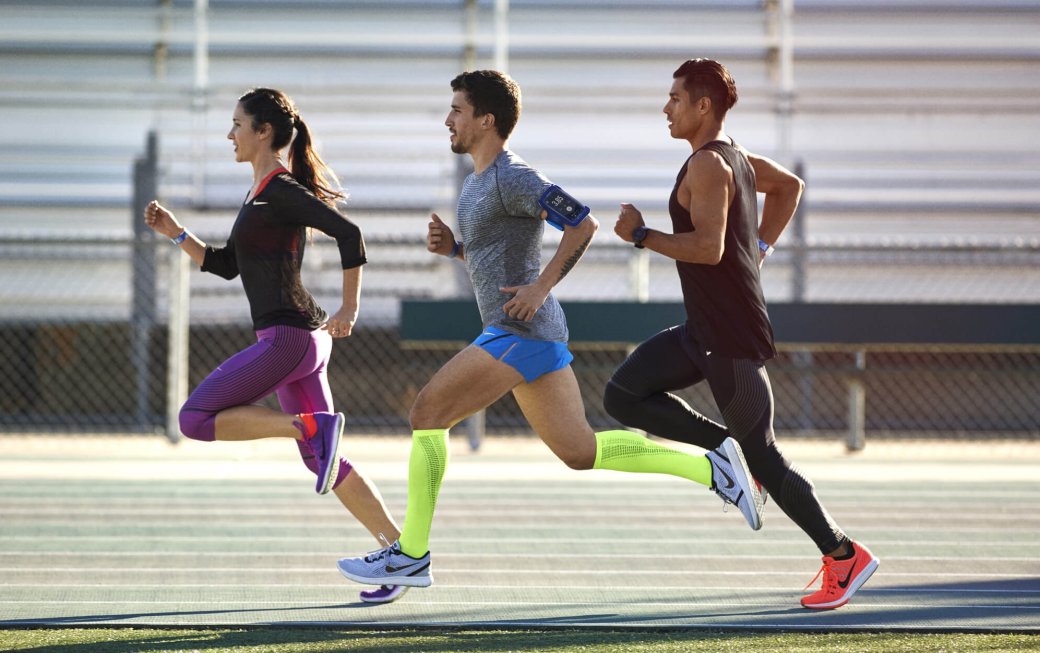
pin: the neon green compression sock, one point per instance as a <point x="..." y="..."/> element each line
<point x="426" y="465"/>
<point x="624" y="451"/>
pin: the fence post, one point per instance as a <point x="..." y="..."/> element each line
<point x="799" y="246"/>
<point x="639" y="275"/>
<point x="142" y="307"/>
<point x="857" y="437"/>
<point x="177" y="341"/>
<point x="802" y="359"/>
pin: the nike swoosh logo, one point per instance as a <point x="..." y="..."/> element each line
<point x="730" y="481"/>
<point x="258" y="203"/>
<point x="394" y="570"/>
<point x="845" y="583"/>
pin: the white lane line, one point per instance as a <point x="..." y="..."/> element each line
<point x="695" y="532"/>
<point x="526" y="541"/>
<point x="1024" y="513"/>
<point x="557" y="572"/>
<point x="523" y="588"/>
<point x="224" y="605"/>
<point x="640" y="555"/>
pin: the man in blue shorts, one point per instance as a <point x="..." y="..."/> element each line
<point x="523" y="346"/>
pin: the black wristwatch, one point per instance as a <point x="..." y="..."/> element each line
<point x="639" y="235"/>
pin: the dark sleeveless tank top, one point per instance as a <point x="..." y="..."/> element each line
<point x="725" y="308"/>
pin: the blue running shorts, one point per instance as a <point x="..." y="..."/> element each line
<point x="532" y="358"/>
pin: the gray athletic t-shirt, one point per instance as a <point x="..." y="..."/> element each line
<point x="501" y="231"/>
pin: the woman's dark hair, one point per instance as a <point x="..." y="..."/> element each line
<point x="272" y="107"/>
<point x="490" y="91"/>
<point x="709" y="78"/>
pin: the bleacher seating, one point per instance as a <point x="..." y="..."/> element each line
<point x="915" y="122"/>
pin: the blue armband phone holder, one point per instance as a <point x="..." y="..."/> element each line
<point x="562" y="208"/>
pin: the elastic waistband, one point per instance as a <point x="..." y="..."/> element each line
<point x="283" y="331"/>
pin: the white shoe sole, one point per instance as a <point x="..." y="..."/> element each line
<point x="333" y="459"/>
<point x="407" y="581"/>
<point x="744" y="480"/>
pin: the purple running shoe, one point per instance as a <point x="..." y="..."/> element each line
<point x="325" y="445"/>
<point x="384" y="594"/>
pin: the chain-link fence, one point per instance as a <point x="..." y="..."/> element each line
<point x="77" y="353"/>
<point x="86" y="376"/>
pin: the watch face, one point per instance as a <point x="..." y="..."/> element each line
<point x="638" y="235"/>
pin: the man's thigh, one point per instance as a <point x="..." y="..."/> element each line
<point x="660" y="364"/>
<point x="471" y="381"/>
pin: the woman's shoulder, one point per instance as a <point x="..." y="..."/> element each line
<point x="285" y="186"/>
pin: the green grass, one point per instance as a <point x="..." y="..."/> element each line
<point x="298" y="640"/>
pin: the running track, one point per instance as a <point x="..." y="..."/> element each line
<point x="132" y="531"/>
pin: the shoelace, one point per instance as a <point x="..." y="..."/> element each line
<point x="830" y="579"/>
<point x="386" y="545"/>
<point x="379" y="554"/>
<point x="726" y="501"/>
<point x="715" y="488"/>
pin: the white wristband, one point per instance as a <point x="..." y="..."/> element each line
<point x="180" y="239"/>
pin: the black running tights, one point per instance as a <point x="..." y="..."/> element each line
<point x="640" y="395"/>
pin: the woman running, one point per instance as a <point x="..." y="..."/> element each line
<point x="294" y="334"/>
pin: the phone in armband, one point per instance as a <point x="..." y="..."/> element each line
<point x="562" y="208"/>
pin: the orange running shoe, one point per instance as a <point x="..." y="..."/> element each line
<point x="841" y="579"/>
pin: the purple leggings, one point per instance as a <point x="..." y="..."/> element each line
<point x="288" y="361"/>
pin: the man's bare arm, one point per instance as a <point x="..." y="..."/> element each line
<point x="707" y="184"/>
<point x="783" y="190"/>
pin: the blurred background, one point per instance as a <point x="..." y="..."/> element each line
<point x="916" y="125"/>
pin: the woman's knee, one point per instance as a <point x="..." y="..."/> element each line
<point x="198" y="425"/>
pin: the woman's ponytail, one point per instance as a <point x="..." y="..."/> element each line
<point x="309" y="169"/>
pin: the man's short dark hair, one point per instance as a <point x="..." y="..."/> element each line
<point x="490" y="91"/>
<point x="709" y="78"/>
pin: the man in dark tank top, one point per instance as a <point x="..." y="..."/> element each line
<point x="719" y="245"/>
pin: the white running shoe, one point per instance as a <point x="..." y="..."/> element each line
<point x="731" y="480"/>
<point x="389" y="566"/>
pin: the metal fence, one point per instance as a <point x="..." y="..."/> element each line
<point x="79" y="376"/>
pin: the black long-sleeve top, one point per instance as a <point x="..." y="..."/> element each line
<point x="266" y="247"/>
